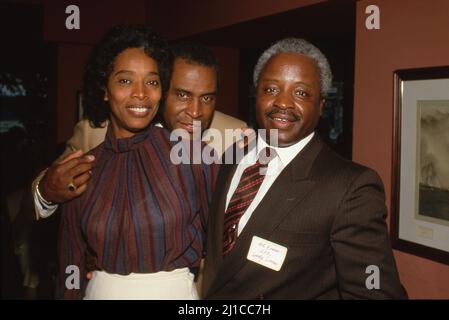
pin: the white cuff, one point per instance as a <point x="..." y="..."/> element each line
<point x="43" y="207"/>
<point x="43" y="211"/>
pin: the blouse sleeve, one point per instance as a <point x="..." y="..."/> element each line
<point x="71" y="250"/>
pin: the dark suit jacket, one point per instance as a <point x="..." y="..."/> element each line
<point x="330" y="214"/>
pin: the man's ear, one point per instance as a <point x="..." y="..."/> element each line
<point x="105" y="97"/>
<point x="322" y="103"/>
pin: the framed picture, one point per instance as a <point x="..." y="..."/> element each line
<point x="420" y="181"/>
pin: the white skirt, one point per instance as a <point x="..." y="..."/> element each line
<point x="173" y="285"/>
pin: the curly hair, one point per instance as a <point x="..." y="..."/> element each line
<point x="100" y="64"/>
<point x="301" y="46"/>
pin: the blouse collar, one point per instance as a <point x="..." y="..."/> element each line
<point x="122" y="145"/>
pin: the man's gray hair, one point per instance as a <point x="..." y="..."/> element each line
<point x="301" y="46"/>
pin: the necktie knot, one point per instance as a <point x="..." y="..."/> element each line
<point x="266" y="155"/>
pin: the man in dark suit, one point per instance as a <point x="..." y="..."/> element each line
<point x="297" y="221"/>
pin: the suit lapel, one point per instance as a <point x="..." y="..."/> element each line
<point x="284" y="194"/>
<point x="221" y="206"/>
<point x="214" y="257"/>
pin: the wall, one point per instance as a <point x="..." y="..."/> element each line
<point x="180" y="18"/>
<point x="71" y="59"/>
<point x="96" y="17"/>
<point x="73" y="46"/>
<point x="412" y="34"/>
<point x="228" y="95"/>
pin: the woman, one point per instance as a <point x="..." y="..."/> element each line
<point x="141" y="219"/>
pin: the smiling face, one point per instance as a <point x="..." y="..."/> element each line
<point x="133" y="92"/>
<point x="191" y="96"/>
<point x="288" y="97"/>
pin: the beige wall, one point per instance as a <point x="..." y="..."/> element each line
<point x="413" y="33"/>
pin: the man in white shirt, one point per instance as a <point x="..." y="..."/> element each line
<point x="296" y="221"/>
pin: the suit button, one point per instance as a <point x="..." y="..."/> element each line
<point x="261" y="297"/>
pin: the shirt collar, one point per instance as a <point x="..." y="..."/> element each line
<point x="286" y="154"/>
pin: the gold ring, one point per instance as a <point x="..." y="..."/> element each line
<point x="71" y="186"/>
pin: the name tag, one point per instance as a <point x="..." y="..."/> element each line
<point x="267" y="253"/>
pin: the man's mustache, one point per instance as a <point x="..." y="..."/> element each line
<point x="284" y="112"/>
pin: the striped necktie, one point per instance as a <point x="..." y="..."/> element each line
<point x="249" y="184"/>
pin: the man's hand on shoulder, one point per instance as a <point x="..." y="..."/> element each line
<point x="66" y="178"/>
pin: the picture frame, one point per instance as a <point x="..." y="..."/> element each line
<point x="420" y="163"/>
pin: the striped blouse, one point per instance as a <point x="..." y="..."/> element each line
<point x="140" y="213"/>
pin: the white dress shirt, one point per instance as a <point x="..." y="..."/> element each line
<point x="275" y="166"/>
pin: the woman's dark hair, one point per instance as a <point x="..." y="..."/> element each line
<point x="100" y="64"/>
